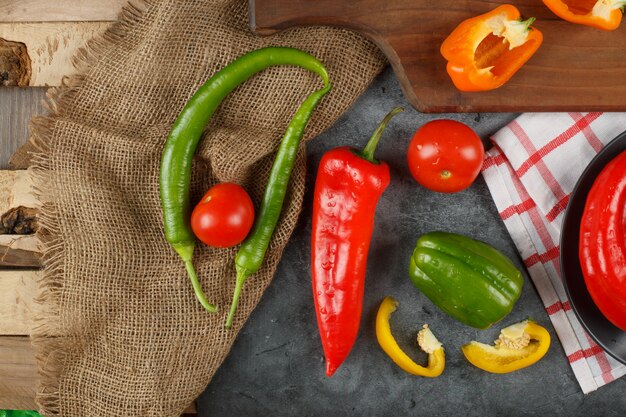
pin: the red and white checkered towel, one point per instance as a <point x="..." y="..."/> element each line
<point x="531" y="171"/>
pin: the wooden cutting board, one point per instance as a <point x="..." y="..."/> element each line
<point x="576" y="69"/>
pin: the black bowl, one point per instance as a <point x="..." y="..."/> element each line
<point x="607" y="335"/>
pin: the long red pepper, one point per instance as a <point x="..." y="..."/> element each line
<point x="348" y="186"/>
<point x="602" y="245"/>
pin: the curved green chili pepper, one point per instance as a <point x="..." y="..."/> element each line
<point x="250" y="256"/>
<point x="175" y="175"/>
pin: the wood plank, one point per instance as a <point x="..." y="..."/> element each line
<point x="60" y="10"/>
<point x="18" y="368"/>
<point x="18" y="290"/>
<point x="16" y="189"/>
<point x="577" y="68"/>
<point x="17" y="106"/>
<point x="23" y="251"/>
<point x="19" y="379"/>
<point x="39" y="54"/>
<point x="18" y="204"/>
<point x="17" y="198"/>
<point x="18" y="374"/>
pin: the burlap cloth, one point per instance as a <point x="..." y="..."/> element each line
<point x="121" y="333"/>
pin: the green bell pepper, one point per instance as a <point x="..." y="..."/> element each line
<point x="467" y="279"/>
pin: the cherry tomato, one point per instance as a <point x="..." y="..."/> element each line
<point x="224" y="216"/>
<point x="445" y="156"/>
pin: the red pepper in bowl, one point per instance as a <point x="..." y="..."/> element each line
<point x="602" y="244"/>
<point x="348" y="186"/>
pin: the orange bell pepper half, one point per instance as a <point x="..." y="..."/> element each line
<point x="601" y="14"/>
<point x="485" y="51"/>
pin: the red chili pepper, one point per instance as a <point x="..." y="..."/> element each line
<point x="602" y="245"/>
<point x="348" y="186"/>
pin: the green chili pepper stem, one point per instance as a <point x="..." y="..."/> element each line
<point x="370" y="148"/>
<point x="242" y="275"/>
<point x="197" y="288"/>
<point x="176" y="161"/>
<point x="250" y="256"/>
<point x="185" y="251"/>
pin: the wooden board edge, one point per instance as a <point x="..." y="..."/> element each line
<point x="61" y="10"/>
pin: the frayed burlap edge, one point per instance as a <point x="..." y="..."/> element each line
<point x="46" y="336"/>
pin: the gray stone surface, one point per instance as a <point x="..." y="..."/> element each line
<point x="276" y="367"/>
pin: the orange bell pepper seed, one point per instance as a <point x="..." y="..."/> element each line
<point x="484" y="52"/>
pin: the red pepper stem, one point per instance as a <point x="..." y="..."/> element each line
<point x="370" y="148"/>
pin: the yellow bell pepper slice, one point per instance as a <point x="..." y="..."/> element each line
<point x="518" y="346"/>
<point x="425" y="339"/>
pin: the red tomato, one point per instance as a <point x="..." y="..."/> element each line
<point x="224" y="216"/>
<point x="445" y="156"/>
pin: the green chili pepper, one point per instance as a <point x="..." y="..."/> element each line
<point x="250" y="256"/>
<point x="182" y="141"/>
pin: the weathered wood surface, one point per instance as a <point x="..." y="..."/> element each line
<point x="59" y="10"/>
<point x="18" y="367"/>
<point x="18" y="374"/>
<point x="16" y="190"/>
<point x="20" y="251"/>
<point x="40" y="54"/>
<point x="17" y="106"/>
<point x="45" y="35"/>
<point x="18" y="290"/>
<point x="18" y="221"/>
<point x="38" y="38"/>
